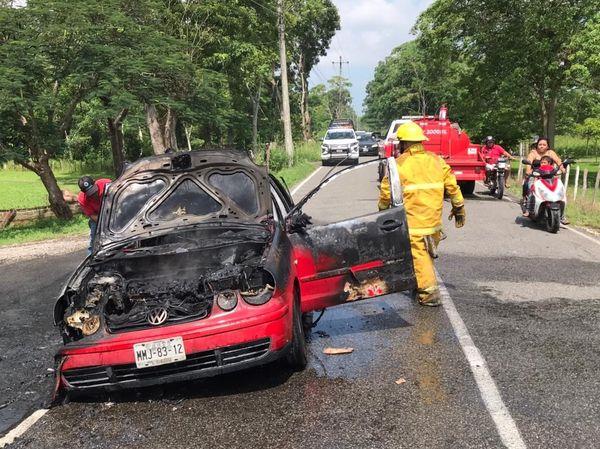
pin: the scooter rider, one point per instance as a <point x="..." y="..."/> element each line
<point x="425" y="178"/>
<point x="541" y="149"/>
<point x="491" y="153"/>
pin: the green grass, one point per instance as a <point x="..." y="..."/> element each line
<point x="297" y="173"/>
<point x="23" y="189"/>
<point x="43" y="229"/>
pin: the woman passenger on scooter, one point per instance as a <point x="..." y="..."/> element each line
<point x="542" y="153"/>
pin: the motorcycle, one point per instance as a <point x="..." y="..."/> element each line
<point x="496" y="174"/>
<point x="546" y="199"/>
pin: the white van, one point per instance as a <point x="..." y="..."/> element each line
<point x="339" y="144"/>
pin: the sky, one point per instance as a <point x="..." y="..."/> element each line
<point x="370" y="29"/>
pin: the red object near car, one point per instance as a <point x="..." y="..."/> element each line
<point x="203" y="265"/>
<point x="448" y="140"/>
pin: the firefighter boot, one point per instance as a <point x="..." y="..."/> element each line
<point x="429" y="297"/>
<point x="427" y="292"/>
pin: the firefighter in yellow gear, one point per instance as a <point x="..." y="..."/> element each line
<point x="424" y="178"/>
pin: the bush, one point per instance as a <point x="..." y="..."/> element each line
<point x="577" y="147"/>
<point x="303" y="152"/>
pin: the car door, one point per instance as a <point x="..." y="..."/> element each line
<point x="354" y="259"/>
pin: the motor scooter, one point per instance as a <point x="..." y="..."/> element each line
<point x="546" y="198"/>
<point x="496" y="174"/>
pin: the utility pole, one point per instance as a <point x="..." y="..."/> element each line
<point x="341" y="62"/>
<point x="285" y="94"/>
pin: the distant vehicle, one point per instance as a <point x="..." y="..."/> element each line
<point x="341" y="123"/>
<point x="449" y="141"/>
<point x="340" y="144"/>
<point x="367" y="142"/>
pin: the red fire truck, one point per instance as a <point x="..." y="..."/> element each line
<point x="447" y="140"/>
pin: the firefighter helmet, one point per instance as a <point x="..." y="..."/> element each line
<point x="410" y="132"/>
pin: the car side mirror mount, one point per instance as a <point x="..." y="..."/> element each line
<point x="298" y="222"/>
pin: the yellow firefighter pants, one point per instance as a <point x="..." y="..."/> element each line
<point x="426" y="281"/>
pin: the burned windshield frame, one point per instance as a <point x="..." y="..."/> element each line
<point x="239" y="187"/>
<point x="126" y="204"/>
<point x="190" y="203"/>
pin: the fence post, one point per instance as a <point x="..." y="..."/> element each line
<point x="567" y="174"/>
<point x="584" y="185"/>
<point x="576" y="183"/>
<point x="520" y="169"/>
<point x="596" y="185"/>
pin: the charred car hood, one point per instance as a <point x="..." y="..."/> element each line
<point x="173" y="191"/>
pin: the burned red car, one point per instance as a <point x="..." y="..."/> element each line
<point x="203" y="265"/>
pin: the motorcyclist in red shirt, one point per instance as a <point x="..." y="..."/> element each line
<point x="490" y="153"/>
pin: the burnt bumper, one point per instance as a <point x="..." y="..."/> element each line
<point x="198" y="365"/>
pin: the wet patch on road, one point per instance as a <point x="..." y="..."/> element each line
<point x="506" y="291"/>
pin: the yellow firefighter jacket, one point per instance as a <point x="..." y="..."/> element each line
<point x="424" y="177"/>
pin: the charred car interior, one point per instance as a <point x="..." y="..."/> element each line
<point x="140" y="277"/>
<point x="202" y="264"/>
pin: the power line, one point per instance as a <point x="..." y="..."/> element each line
<point x="267" y="8"/>
<point x="341" y="63"/>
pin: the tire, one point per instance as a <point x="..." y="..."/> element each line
<point x="381" y="171"/>
<point x="500" y="190"/>
<point x="552" y="220"/>
<point x="297" y="358"/>
<point x="467" y="187"/>
<point x="307" y="324"/>
<point x="324" y="162"/>
<point x="355" y="161"/>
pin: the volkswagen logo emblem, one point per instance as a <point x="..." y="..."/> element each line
<point x="157" y="316"/>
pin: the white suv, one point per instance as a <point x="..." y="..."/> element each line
<point x="339" y="144"/>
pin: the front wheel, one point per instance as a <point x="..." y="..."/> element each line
<point x="297" y="358"/>
<point x="500" y="190"/>
<point x="467" y="187"/>
<point x="552" y="220"/>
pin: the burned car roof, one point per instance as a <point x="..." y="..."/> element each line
<point x="174" y="190"/>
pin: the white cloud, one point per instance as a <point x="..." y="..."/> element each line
<point x="370" y="29"/>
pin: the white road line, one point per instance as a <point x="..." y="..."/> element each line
<point x="582" y="234"/>
<point x="22" y="427"/>
<point x="585" y="236"/>
<point x="299" y="186"/>
<point x="506" y="426"/>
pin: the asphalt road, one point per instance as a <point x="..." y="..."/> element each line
<point x="530" y="301"/>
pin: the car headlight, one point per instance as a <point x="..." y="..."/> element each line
<point x="258" y="297"/>
<point x="354" y="147"/>
<point x="227" y="300"/>
<point x="83" y="320"/>
<point x="375" y="146"/>
<point x="324" y="149"/>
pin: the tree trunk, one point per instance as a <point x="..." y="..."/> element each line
<point x="55" y="196"/>
<point x="548" y="112"/>
<point x="551" y="121"/>
<point x="170" y="136"/>
<point x="115" y="131"/>
<point x="255" y="109"/>
<point x="156" y="135"/>
<point x="304" y="112"/>
<point x="207" y="135"/>
<point x="188" y="136"/>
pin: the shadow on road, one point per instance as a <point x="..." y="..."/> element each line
<point x="255" y="379"/>
<point x="385" y="320"/>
